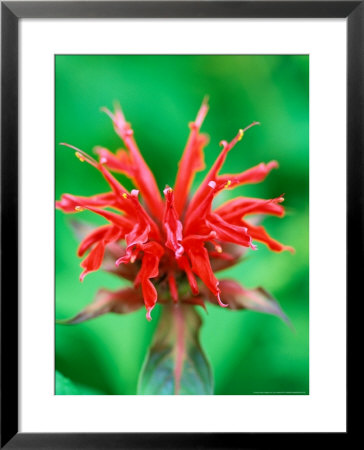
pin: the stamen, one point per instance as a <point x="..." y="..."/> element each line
<point x="201" y="114"/>
<point x="80" y="157"/>
<point x="124" y="195"/>
<point x="249" y="126"/>
<point x="218" y="248"/>
<point x="228" y="183"/>
<point x="79" y="208"/>
<point x="132" y="258"/>
<point x="280" y="199"/>
<point x="108" y="112"/>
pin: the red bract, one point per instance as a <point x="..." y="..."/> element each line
<point x="168" y="247"/>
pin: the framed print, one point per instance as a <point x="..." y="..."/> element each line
<point x="193" y="362"/>
<point x="178" y="179"/>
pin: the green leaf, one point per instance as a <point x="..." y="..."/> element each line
<point x="64" y="386"/>
<point x="175" y="363"/>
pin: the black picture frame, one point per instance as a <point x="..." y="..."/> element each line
<point x="11" y="12"/>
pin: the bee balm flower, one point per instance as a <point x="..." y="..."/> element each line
<point x="170" y="247"/>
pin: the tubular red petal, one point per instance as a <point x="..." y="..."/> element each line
<point x="140" y="233"/>
<point x="192" y="159"/>
<point x="193" y="238"/>
<point x="94" y="260"/>
<point x="115" y="185"/>
<point x="142" y="174"/>
<point x="92" y="238"/>
<point x="68" y="202"/>
<point x="143" y="216"/>
<point x="203" y="190"/>
<point x="237" y="208"/>
<point x="259" y="234"/>
<point x="137" y="237"/>
<point x="229" y="233"/>
<point x="150" y="295"/>
<point x="172" y="226"/>
<point x="254" y="175"/>
<point x="118" y="163"/>
<point x="124" y="223"/>
<point x="112" y="253"/>
<point x="149" y="269"/>
<point x="201" y="267"/>
<point x="201" y="210"/>
<point x="153" y="248"/>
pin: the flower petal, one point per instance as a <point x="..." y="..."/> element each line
<point x="96" y="235"/>
<point x="115" y="185"/>
<point x="196" y="217"/>
<point x="259" y="233"/>
<point x="172" y="226"/>
<point x="119" y="162"/>
<point x="143" y="176"/>
<point x="123" y="222"/>
<point x="68" y="202"/>
<point x="192" y="159"/>
<point x="254" y="175"/>
<point x="230" y="233"/>
<point x="90" y="235"/>
<point x="203" y="190"/>
<point x="113" y="251"/>
<point x="137" y="237"/>
<point x="150" y="262"/>
<point x="238" y="207"/>
<point x="201" y="267"/>
<point x="94" y="259"/>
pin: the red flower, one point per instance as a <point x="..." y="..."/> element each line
<point x="171" y="248"/>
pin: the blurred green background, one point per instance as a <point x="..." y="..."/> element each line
<point x="249" y="352"/>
